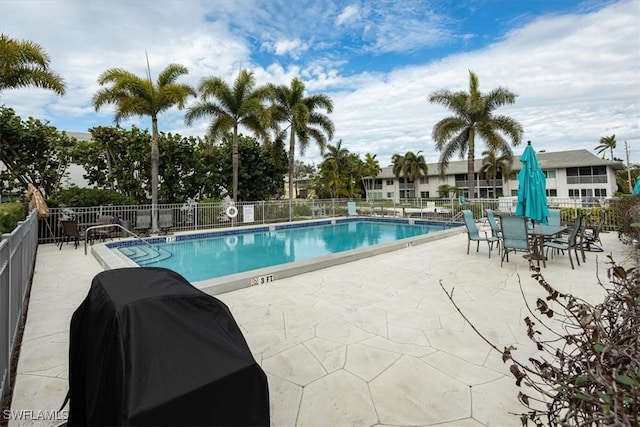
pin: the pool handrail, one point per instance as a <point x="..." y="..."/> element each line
<point x="93" y="227"/>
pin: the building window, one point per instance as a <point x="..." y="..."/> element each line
<point x="587" y="175"/>
<point x="389" y="182"/>
<point x="600" y="192"/>
<point x="586" y="192"/>
<point x="424" y="194"/>
<point x="390" y="195"/>
<point x="514" y="192"/>
<point x="552" y="192"/>
<point x="574" y="193"/>
<point x="424" y="180"/>
<point x="549" y="174"/>
<point x="377" y="185"/>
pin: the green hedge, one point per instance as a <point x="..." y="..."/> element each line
<point x="10" y="214"/>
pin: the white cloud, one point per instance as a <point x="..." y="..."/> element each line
<point x="348" y="14"/>
<point x="577" y="76"/>
<point x="281" y="47"/>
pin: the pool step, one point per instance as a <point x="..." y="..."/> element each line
<point x="145" y="255"/>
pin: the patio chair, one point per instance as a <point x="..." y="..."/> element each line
<point x="165" y="220"/>
<point x="103" y="233"/>
<point x="554" y="217"/>
<point x="515" y="237"/>
<point x="493" y="223"/>
<point x="143" y="222"/>
<point x="70" y="231"/>
<point x="591" y="239"/>
<point x="574" y="242"/>
<point x="474" y="234"/>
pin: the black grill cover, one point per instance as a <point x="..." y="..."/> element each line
<point x="147" y="348"/>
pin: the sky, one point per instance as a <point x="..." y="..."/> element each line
<point x="574" y="65"/>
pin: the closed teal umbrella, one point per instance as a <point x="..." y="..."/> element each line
<point x="532" y="188"/>
<point x="636" y="189"/>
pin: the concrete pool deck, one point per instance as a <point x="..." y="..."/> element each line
<point x="371" y="342"/>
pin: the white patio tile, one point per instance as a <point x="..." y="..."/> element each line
<point x="330" y="354"/>
<point x="341" y="331"/>
<point x="463" y="371"/>
<point x="368" y="362"/>
<point x="401" y="348"/>
<point x="338" y="399"/>
<point x="284" y="401"/>
<point x="296" y="364"/>
<point x="418" y="393"/>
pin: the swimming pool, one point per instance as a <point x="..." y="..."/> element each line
<point x="257" y="255"/>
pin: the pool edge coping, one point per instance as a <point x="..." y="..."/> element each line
<point x="110" y="259"/>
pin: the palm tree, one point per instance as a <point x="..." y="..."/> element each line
<point x="492" y="165"/>
<point x="397" y="162"/>
<point x="415" y="167"/>
<point x="230" y="107"/>
<point x="473" y="116"/>
<point x="25" y="63"/>
<point x="302" y="120"/>
<point x="139" y="96"/>
<point x="336" y="156"/>
<point x="371" y="170"/>
<point x="607" y="143"/>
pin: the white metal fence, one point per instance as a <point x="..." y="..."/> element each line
<point x="17" y="256"/>
<point x="197" y="216"/>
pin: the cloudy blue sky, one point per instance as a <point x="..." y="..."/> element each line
<point x="575" y="65"/>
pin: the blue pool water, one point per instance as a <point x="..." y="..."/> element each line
<point x="207" y="258"/>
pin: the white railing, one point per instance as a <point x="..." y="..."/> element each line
<point x="17" y="256"/>
<point x="198" y="216"/>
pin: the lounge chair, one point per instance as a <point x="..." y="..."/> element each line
<point x="143" y="222"/>
<point x="351" y="209"/>
<point x="515" y="237"/>
<point x="70" y="232"/>
<point x="165" y="220"/>
<point x="474" y="234"/>
<point x="574" y="242"/>
<point x="591" y="239"/>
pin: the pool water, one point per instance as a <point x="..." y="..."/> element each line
<point x="212" y="257"/>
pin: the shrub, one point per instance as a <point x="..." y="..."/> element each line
<point x="589" y="370"/>
<point x="85" y="197"/>
<point x="10" y="215"/>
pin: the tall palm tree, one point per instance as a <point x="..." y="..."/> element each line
<point x="473" y="116"/>
<point x="25" y="63"/>
<point x="302" y="120"/>
<point x="371" y="170"/>
<point x="415" y="167"/>
<point x="230" y="107"/>
<point x="492" y="165"/>
<point x="140" y="96"/>
<point x="607" y="143"/>
<point x="397" y="163"/>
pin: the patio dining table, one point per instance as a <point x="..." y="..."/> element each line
<point x="539" y="234"/>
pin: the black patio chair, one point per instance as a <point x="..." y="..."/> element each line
<point x="591" y="236"/>
<point x="70" y="231"/>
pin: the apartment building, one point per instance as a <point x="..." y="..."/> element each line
<point x="570" y="174"/>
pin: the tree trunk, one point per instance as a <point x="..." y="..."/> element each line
<point x="234" y="163"/>
<point x="292" y="148"/>
<point x="155" y="162"/>
<point x="471" y="182"/>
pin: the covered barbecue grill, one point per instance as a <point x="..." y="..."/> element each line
<point x="147" y="348"/>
